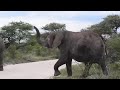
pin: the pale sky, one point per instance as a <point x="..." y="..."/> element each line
<point x="74" y="20"/>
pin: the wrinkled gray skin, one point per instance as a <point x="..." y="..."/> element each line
<point x="2" y="47"/>
<point x="86" y="46"/>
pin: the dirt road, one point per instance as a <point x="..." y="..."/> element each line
<point x="34" y="70"/>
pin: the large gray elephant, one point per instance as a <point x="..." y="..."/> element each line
<point x="86" y="46"/>
<point x="2" y="47"/>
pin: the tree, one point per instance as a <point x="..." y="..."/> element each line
<point x="113" y="21"/>
<point x="16" y="32"/>
<point x="101" y="28"/>
<point x="109" y="25"/>
<point x="55" y="27"/>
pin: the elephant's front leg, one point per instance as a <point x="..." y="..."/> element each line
<point x="62" y="60"/>
<point x="69" y="67"/>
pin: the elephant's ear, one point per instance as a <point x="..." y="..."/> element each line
<point x="50" y="39"/>
<point x="58" y="39"/>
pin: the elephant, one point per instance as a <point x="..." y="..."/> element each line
<point x="86" y="46"/>
<point x="2" y="47"/>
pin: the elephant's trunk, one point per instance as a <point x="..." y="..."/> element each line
<point x="37" y="35"/>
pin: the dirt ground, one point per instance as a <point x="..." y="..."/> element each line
<point x="34" y="70"/>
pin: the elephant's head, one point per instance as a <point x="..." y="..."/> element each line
<point x="51" y="40"/>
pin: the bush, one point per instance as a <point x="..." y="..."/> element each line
<point x="113" y="46"/>
<point x="28" y="49"/>
<point x="12" y="52"/>
<point x="41" y="51"/>
<point x="29" y="53"/>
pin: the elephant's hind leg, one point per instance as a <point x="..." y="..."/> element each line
<point x="69" y="67"/>
<point x="87" y="68"/>
<point x="104" y="68"/>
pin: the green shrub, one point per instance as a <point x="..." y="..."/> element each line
<point x="113" y="46"/>
<point x="41" y="51"/>
<point x="12" y="51"/>
<point x="28" y="48"/>
<point x="28" y="53"/>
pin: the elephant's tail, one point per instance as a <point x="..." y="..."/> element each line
<point x="37" y="35"/>
<point x="104" y="45"/>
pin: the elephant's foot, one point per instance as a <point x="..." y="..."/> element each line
<point x="57" y="73"/>
<point x="1" y="68"/>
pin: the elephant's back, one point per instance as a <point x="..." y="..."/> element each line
<point x="87" y="46"/>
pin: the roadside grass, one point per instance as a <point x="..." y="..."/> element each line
<point x="27" y="58"/>
<point x="13" y="56"/>
<point x="94" y="73"/>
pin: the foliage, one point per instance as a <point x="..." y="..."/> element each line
<point x="55" y="27"/>
<point x="112" y="21"/>
<point x="16" y="31"/>
<point x="101" y="28"/>
<point x="12" y="51"/>
<point x="113" y="46"/>
<point x="109" y="25"/>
